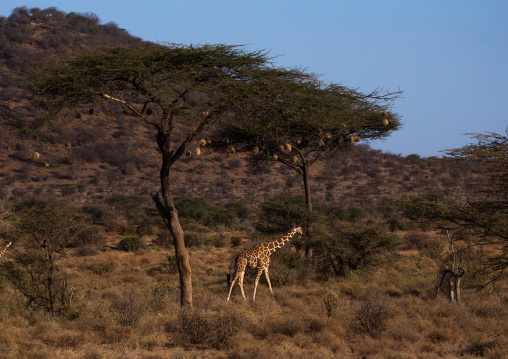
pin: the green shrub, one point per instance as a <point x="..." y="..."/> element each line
<point x="131" y="244"/>
<point x="108" y="266"/>
<point x="331" y="303"/>
<point x="200" y="210"/>
<point x="195" y="239"/>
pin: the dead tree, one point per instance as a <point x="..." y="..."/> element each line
<point x="454" y="275"/>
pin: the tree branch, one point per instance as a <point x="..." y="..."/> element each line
<point x="129" y="106"/>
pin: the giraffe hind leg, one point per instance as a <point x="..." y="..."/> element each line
<point x="237" y="275"/>
<point x="268" y="280"/>
<point x="241" y="284"/>
<point x="256" y="284"/>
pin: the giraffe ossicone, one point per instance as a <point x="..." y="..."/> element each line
<point x="258" y="258"/>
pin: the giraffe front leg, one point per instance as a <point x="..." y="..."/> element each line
<point x="268" y="280"/>
<point x="237" y="275"/>
<point x="257" y="281"/>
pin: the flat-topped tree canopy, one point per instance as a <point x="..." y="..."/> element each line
<point x="174" y="81"/>
<point x="312" y="118"/>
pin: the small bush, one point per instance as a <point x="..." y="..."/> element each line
<point x="219" y="241"/>
<point x="195" y="239"/>
<point x="331" y="303"/>
<point x="86" y="250"/>
<point x="163" y="239"/>
<point x="224" y="326"/>
<point x="371" y="318"/>
<point x="169" y="266"/>
<point x="235" y="241"/>
<point x="91" y="236"/>
<point x="433" y="249"/>
<point x="194" y="326"/>
<point x="108" y="266"/>
<point x="128" y="308"/>
<point x="131" y="244"/>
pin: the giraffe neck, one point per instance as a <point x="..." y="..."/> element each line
<point x="281" y="241"/>
<point x="2" y="251"/>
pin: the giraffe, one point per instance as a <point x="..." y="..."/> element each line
<point x="4" y="248"/>
<point x="259" y="257"/>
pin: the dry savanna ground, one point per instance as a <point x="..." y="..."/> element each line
<point x="126" y="305"/>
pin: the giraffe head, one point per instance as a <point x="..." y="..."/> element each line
<point x="298" y="229"/>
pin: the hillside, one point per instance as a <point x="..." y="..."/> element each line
<point x="122" y="157"/>
<point x="116" y="282"/>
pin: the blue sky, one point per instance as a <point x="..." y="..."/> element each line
<point x="450" y="57"/>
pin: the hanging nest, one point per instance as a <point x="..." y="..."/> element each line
<point x="198" y="151"/>
<point x="354" y="138"/>
<point x="321" y="143"/>
<point x="328" y="135"/>
<point x="188" y="153"/>
<point x="208" y="142"/>
<point x="281" y="148"/>
<point x="36" y="156"/>
<point x="275" y="157"/>
<point x="202" y="142"/>
<point x="287" y="146"/>
<point x="255" y="150"/>
<point x="298" y="142"/>
<point x="295" y="159"/>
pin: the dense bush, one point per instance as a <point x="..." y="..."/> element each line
<point x="92" y="236"/>
<point x="200" y="210"/>
<point x="131" y="244"/>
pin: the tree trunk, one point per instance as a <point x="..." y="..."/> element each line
<point x="452" y="287"/>
<point x="308" y="202"/>
<point x="458" y="279"/>
<point x="168" y="213"/>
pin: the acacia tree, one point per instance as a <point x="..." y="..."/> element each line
<point x="49" y="227"/>
<point x="178" y="90"/>
<point x="483" y="224"/>
<point x="307" y="121"/>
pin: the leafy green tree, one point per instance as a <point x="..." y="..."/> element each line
<point x="180" y="91"/>
<point x="305" y="122"/>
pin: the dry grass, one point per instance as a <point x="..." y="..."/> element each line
<point x="126" y="306"/>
